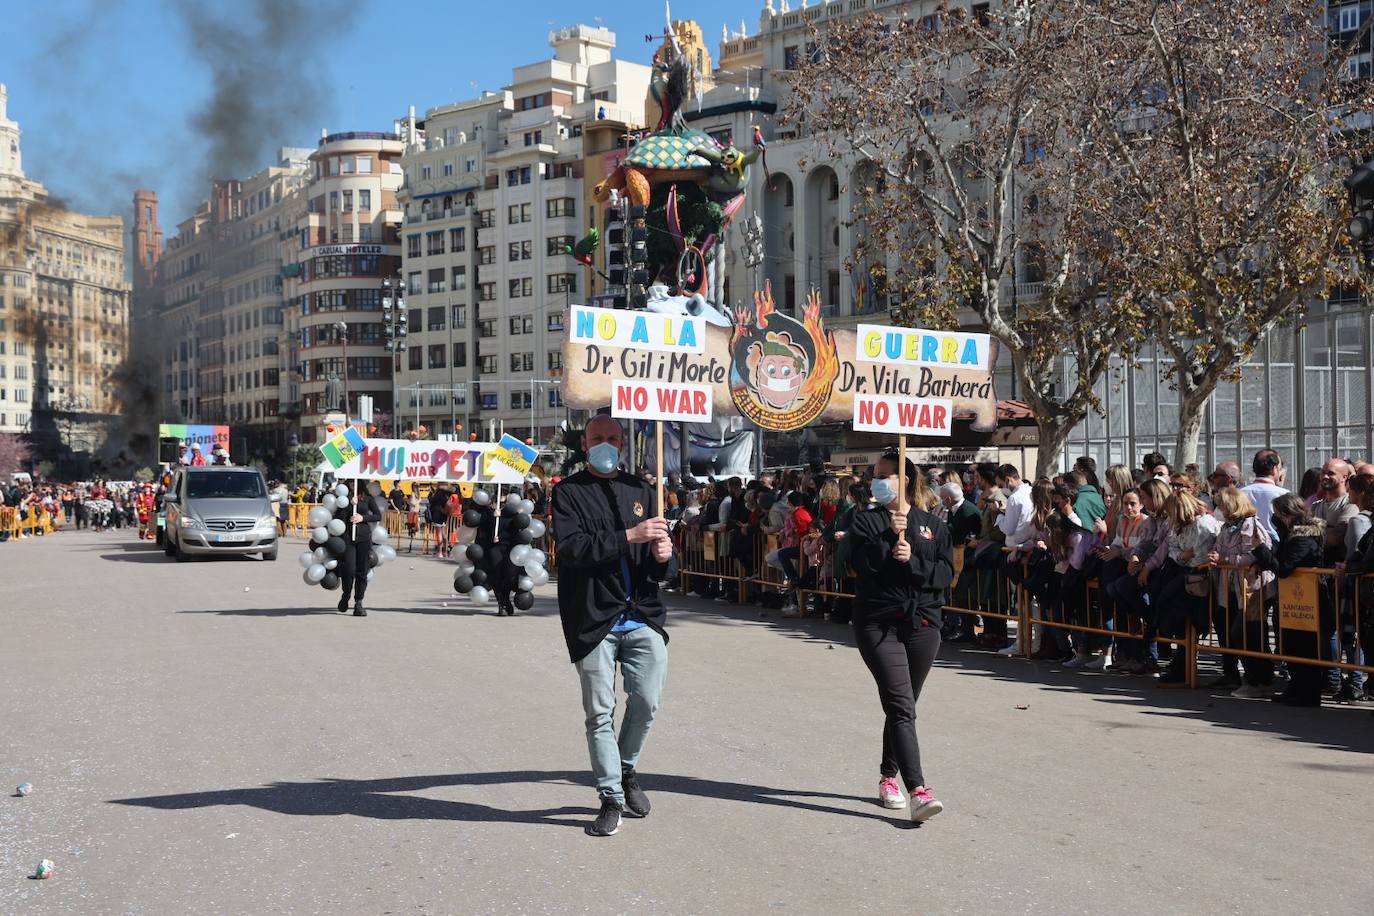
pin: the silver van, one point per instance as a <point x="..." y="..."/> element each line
<point x="215" y="511"/>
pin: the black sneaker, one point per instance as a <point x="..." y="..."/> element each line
<point x="636" y="802"/>
<point x="608" y="821"/>
<point x="343" y="605"/>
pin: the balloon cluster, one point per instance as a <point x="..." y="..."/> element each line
<point x="326" y="534"/>
<point x="512" y="558"/>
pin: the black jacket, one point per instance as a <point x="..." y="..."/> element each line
<point x="590" y="518"/>
<point x="965" y="523"/>
<point x="891" y="590"/>
<point x="367" y="508"/>
<point x="1297" y="548"/>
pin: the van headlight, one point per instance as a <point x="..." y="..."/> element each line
<point x="189" y="522"/>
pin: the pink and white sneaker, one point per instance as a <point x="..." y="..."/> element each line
<point x="924" y="805"/>
<point x="890" y="794"/>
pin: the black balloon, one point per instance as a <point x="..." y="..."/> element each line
<point x="475" y="554"/>
<point x="520" y="522"/>
<point x="335" y="546"/>
<point x="372" y="560"/>
<point x="509" y="510"/>
<point x="462" y="584"/>
<point x="523" y="600"/>
<point x="524" y="536"/>
<point x="330" y="580"/>
<point x="479" y="577"/>
<point x="472" y="518"/>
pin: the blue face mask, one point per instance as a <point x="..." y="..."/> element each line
<point x="884" y="491"/>
<point x="603" y="457"/>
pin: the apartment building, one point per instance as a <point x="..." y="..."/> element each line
<point x="527" y="142"/>
<point x="64" y="309"/>
<point x="345" y="242"/>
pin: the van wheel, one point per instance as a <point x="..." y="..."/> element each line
<point x="167" y="547"/>
<point x="270" y="554"/>
<point x="181" y="555"/>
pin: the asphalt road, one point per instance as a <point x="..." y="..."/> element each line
<point x="211" y="738"/>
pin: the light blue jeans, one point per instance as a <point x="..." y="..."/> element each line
<point x="643" y="659"/>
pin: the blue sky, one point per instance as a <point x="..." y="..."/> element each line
<point x="113" y="94"/>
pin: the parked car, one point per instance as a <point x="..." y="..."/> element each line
<point x="219" y="511"/>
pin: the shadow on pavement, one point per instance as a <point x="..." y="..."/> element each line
<point x="453" y="607"/>
<point x="1334" y="727"/>
<point x="374" y="797"/>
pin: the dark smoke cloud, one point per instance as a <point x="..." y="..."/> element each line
<point x="267" y="77"/>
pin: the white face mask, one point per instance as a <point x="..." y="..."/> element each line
<point x="782" y="384"/>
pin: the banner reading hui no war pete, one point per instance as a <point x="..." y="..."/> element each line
<point x="781" y="372"/>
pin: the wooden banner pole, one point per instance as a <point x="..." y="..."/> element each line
<point x="658" y="470"/>
<point x="901" y="483"/>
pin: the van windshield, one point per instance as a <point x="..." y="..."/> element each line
<point x="230" y="485"/>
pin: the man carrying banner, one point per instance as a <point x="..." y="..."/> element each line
<point x="613" y="548"/>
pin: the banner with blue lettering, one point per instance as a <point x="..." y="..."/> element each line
<point x="780" y="371"/>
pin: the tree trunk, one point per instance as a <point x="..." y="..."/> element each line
<point x="1192" y="405"/>
<point x="1054" y="433"/>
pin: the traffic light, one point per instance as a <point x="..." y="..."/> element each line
<point x="639" y="255"/>
<point x="617" y="273"/>
<point x="1360" y="183"/>
<point x="395" y="322"/>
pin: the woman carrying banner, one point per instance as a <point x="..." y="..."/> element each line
<point x="905" y="564"/>
<point x="358" y="516"/>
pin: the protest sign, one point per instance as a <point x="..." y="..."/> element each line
<point x="780" y="371"/>
<point x="514" y="454"/>
<point x="442" y="462"/>
<point x="903" y="416"/>
<point x="653" y="401"/>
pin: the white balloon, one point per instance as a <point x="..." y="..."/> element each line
<point x="341" y="491"/>
<point x="316" y="572"/>
<point x="512" y="497"/>
<point x="380" y="535"/>
<point x="335" y="526"/>
<point x="307" y="559"/>
<point x="481" y="497"/>
<point x="465" y="568"/>
<point x="329" y="502"/>
<point x="524" y="583"/>
<point x="319" y="535"/>
<point x="526" y="506"/>
<point x="331" y="564"/>
<point x="467" y="535"/>
<point x="537" y="528"/>
<point x="386" y="552"/>
<point x="539" y="575"/>
<point x="459" y="553"/>
<point x="537" y="557"/>
<point x="318" y="517"/>
<point x="320" y="554"/>
<point x="479" y="594"/>
<point x="305" y="577"/>
<point x="370" y="574"/>
<point x="520" y="554"/>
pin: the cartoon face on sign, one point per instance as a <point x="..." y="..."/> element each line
<point x="782" y="368"/>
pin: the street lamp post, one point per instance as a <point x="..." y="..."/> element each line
<point x="342" y="328"/>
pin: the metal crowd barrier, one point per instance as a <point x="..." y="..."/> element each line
<point x="37" y="523"/>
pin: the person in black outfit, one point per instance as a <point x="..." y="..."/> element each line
<point x="358" y="516"/>
<point x="438" y="520"/>
<point x="1299" y="545"/>
<point x="905" y="565"/>
<point x="613" y="550"/>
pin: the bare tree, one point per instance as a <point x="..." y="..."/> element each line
<point x="973" y="150"/>
<point x="15" y="454"/>
<point x="1239" y="123"/>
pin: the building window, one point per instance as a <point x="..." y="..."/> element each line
<point x="489" y="401"/>
<point x="487" y="367"/>
<point x="413" y="245"/>
<point x="519" y="175"/>
<point x="486" y="328"/>
<point x="437" y="280"/>
<point x="460" y="355"/>
<point x="521" y="287"/>
<point x="348" y="201"/>
<point x="559" y="244"/>
<point x="562" y="283"/>
<point x="561" y="206"/>
<point x="522" y="324"/>
<point x="333" y="201"/>
<point x="413" y="282"/>
<point x="791" y="59"/>
<point x="437" y="316"/>
<point x="437" y="355"/>
<point x="486" y="219"/>
<point x="460" y="279"/>
<point x="434" y="243"/>
<point x="365" y="200"/>
<point x="486" y="254"/>
<point x="518" y="213"/>
<point x="555" y="397"/>
<point x="457" y="239"/>
<point x="486" y="292"/>
<point x="531" y="102"/>
<point x="555" y="360"/>
<point x="521" y="251"/>
<point x="417" y="358"/>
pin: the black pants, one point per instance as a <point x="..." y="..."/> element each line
<point x="899" y="656"/>
<point x="353" y="568"/>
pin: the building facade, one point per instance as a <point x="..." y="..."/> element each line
<point x="528" y="206"/>
<point x="64" y="312"/>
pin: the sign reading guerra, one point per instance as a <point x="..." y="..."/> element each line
<point x="780" y="371"/>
